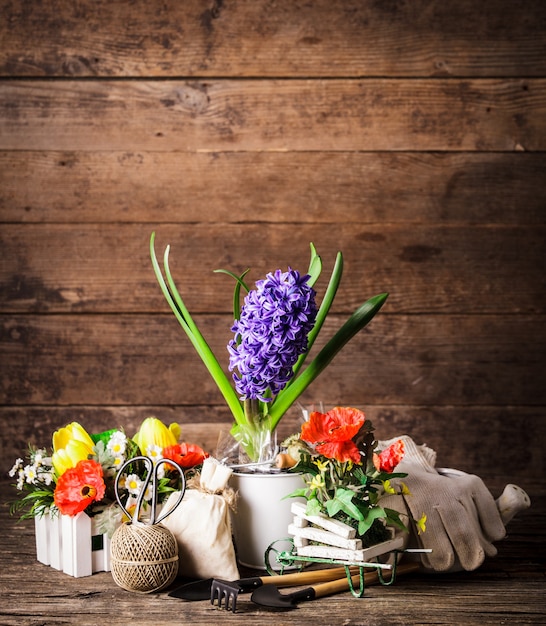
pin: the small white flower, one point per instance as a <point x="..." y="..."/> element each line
<point x="154" y="452"/>
<point x="46" y="477"/>
<point x="16" y="467"/>
<point x="20" y="479"/>
<point x="117" y="443"/>
<point x="118" y="460"/>
<point x="133" y="484"/>
<point x="38" y="457"/>
<point x="31" y="474"/>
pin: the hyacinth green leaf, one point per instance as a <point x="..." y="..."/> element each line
<point x="177" y="298"/>
<point x="159" y="275"/>
<point x="328" y="299"/>
<point x="324" y="308"/>
<point x="237" y="291"/>
<point x="207" y="355"/>
<point x="358" y="320"/>
<point x="190" y="328"/>
<point x="315" y="266"/>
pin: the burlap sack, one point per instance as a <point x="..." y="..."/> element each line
<point x="201" y="525"/>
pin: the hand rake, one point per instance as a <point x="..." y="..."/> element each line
<point x="225" y="592"/>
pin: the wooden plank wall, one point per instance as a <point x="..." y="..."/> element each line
<point x="411" y="135"/>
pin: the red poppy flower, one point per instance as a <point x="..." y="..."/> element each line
<point x="78" y="487"/>
<point x="387" y="460"/>
<point x="185" y="454"/>
<point x="333" y="432"/>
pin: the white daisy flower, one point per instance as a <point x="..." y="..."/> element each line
<point x="30" y="474"/>
<point x="133" y="484"/>
<point x="154" y="452"/>
<point x="118" y="460"/>
<point x="117" y="443"/>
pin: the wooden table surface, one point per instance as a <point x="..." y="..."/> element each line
<point x="508" y="589"/>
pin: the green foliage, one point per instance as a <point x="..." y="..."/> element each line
<point x="37" y="502"/>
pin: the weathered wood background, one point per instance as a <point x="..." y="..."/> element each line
<point x="409" y="135"/>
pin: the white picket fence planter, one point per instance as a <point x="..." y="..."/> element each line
<point x="71" y="544"/>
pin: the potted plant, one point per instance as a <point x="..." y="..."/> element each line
<point x="345" y="476"/>
<point x="274" y="330"/>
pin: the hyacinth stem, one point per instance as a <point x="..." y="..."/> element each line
<point x="252" y="410"/>
<point x="254" y="436"/>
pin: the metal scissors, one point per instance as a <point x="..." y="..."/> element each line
<point x="151" y="476"/>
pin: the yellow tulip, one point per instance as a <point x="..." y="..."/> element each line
<point x="175" y="430"/>
<point x="72" y="432"/>
<point x="153" y="432"/>
<point x="71" y="444"/>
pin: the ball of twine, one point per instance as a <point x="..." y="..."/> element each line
<point x="144" y="558"/>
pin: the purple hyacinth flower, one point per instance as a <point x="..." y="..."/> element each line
<point x="271" y="333"/>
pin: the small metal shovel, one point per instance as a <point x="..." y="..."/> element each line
<point x="226" y="592"/>
<point x="270" y="597"/>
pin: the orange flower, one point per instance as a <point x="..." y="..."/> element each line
<point x="185" y="454"/>
<point x="78" y="487"/>
<point x="387" y="460"/>
<point x="333" y="433"/>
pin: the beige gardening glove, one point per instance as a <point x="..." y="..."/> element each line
<point x="463" y="520"/>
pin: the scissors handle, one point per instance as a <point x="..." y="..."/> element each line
<point x="151" y="476"/>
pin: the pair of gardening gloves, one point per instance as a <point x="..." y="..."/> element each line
<point x="462" y="518"/>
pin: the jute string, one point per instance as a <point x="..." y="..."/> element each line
<point x="144" y="557"/>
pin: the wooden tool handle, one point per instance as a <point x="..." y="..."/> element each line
<point x="336" y="586"/>
<point x="308" y="578"/>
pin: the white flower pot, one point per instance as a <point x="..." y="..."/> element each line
<point x="71" y="544"/>
<point x="262" y="515"/>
